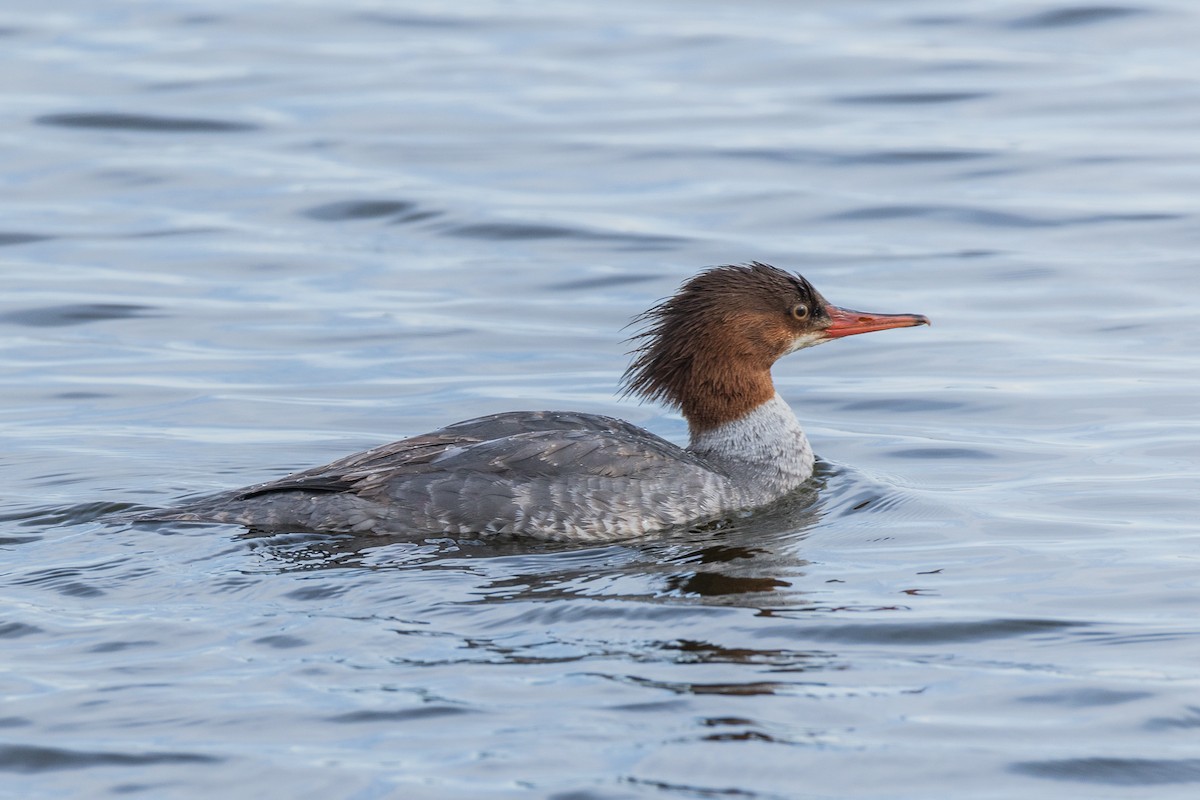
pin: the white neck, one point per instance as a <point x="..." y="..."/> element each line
<point x="766" y="450"/>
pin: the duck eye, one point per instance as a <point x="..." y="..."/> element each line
<point x="800" y="311"/>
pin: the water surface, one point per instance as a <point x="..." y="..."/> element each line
<point x="243" y="239"/>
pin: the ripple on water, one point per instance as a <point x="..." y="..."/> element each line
<point x="793" y="155"/>
<point x="65" y="580"/>
<point x="417" y="21"/>
<point x="924" y="633"/>
<point x="348" y="210"/>
<point x="111" y="120"/>
<point x="600" y="282"/>
<point x="909" y="98"/>
<point x="121" y="646"/>
<point x="903" y="405"/>
<point x="88" y="580"/>
<point x="15" y="238"/>
<point x="1189" y="719"/>
<point x="1074" y="16"/>
<point x="29" y="758"/>
<point x="73" y="514"/>
<point x="509" y="231"/>
<point x="76" y="314"/>
<point x="1086" y="697"/>
<point x="853" y="494"/>
<point x="1114" y="771"/>
<point x="15" y="630"/>
<point x="953" y="453"/>
<point x="990" y="217"/>
<point x="401" y="714"/>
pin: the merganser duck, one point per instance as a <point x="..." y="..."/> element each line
<point x="557" y="475"/>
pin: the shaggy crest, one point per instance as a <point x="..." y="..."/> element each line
<point x="708" y="349"/>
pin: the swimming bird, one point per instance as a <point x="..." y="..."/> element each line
<point x="707" y="351"/>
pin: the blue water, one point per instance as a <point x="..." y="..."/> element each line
<point x="239" y="239"/>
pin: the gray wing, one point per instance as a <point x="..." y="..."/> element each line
<point x="550" y="474"/>
<point x="514" y="446"/>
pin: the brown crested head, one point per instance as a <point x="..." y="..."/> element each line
<point x="708" y="349"/>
